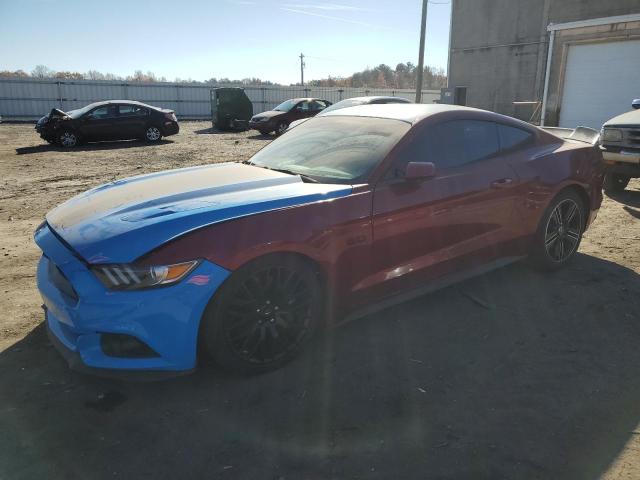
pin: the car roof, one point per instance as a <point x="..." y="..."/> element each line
<point x="121" y="102"/>
<point x="371" y="98"/>
<point x="304" y="98"/>
<point x="406" y="112"/>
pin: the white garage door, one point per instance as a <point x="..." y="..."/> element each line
<point x="601" y="80"/>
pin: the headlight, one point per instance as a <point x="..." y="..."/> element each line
<point x="611" y="135"/>
<point x="131" y="277"/>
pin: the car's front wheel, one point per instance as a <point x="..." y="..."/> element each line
<point x="560" y="231"/>
<point x="614" y="182"/>
<point x="68" y="139"/>
<point x="263" y="314"/>
<point x="152" y="134"/>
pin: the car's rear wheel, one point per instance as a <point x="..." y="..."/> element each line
<point x="281" y="128"/>
<point x="614" y="182"/>
<point x="560" y="231"/>
<point x="152" y="134"/>
<point x="68" y="139"/>
<point x="263" y="315"/>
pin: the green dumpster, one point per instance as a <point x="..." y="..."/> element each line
<point x="231" y="109"/>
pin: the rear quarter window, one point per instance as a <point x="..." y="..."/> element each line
<point x="512" y="137"/>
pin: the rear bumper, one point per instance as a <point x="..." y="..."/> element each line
<point x="170" y="128"/>
<point x="262" y="126"/>
<point x="166" y="320"/>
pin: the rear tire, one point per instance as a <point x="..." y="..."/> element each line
<point x="614" y="182"/>
<point x="152" y="134"/>
<point x="560" y="231"/>
<point x="263" y="315"/>
<point x="281" y="128"/>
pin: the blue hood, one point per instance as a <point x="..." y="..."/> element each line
<point x="122" y="220"/>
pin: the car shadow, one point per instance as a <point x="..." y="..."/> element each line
<point x="260" y="136"/>
<point x="212" y="131"/>
<point x="91" y="146"/>
<point x="514" y="374"/>
<point x="627" y="197"/>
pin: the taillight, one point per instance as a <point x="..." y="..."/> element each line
<point x="171" y="116"/>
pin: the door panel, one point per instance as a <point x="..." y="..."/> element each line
<point x="98" y="124"/>
<point x="423" y="230"/>
<point x="462" y="218"/>
<point x="131" y="121"/>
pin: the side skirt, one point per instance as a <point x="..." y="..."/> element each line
<point x="432" y="286"/>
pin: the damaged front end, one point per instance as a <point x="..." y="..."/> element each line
<point x="47" y="125"/>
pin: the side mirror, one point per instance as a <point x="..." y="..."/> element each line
<point x="420" y="170"/>
<point x="636" y="104"/>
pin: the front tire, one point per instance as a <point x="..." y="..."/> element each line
<point x="68" y="139"/>
<point x="263" y="315"/>
<point x="560" y="231"/>
<point x="152" y="134"/>
<point x="615" y="183"/>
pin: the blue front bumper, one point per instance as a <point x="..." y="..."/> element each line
<point x="166" y="319"/>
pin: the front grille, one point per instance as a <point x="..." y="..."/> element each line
<point x="631" y="137"/>
<point x="61" y="283"/>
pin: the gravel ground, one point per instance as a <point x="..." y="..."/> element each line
<point x="514" y="374"/>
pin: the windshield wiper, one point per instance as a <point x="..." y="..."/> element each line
<point x="305" y="178"/>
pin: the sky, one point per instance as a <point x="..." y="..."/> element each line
<point x="236" y="39"/>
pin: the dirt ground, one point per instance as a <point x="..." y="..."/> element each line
<point x="512" y="375"/>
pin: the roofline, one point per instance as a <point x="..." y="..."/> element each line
<point x="594" y="22"/>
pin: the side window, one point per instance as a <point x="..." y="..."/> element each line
<point x="304" y="106"/>
<point x="108" y="111"/>
<point x="140" y="111"/>
<point x="318" y="105"/>
<point x="451" y="144"/>
<point x="126" y="110"/>
<point x="511" y="137"/>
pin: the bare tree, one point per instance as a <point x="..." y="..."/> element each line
<point x="42" y="71"/>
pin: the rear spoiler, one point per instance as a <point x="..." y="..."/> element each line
<point x="580" y="134"/>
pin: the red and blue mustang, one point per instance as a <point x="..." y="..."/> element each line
<point x="346" y="213"/>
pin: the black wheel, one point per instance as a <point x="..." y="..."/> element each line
<point x="281" y="128"/>
<point x="152" y="134"/>
<point x="560" y="231"/>
<point x="263" y="315"/>
<point x="68" y="139"/>
<point x="614" y="182"/>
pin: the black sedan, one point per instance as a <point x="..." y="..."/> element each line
<point x="110" y="120"/>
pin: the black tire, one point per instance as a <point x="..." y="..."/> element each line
<point x="263" y="315"/>
<point x="614" y="182"/>
<point x="560" y="231"/>
<point x="152" y="134"/>
<point x="68" y="139"/>
<point x="281" y="128"/>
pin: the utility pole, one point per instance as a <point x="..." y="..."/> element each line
<point x="423" y="28"/>
<point x="302" y="69"/>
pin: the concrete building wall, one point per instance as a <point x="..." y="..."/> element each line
<point x="499" y="47"/>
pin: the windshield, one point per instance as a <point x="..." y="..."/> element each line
<point x="349" y="102"/>
<point x="286" y="106"/>
<point x="333" y="149"/>
<point x="80" y="111"/>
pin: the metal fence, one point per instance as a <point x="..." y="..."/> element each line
<point x="266" y="98"/>
<point x="29" y="98"/>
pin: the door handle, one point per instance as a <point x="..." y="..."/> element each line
<point x="502" y="183"/>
